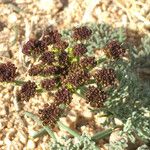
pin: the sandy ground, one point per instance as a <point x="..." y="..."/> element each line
<point x="23" y="19"/>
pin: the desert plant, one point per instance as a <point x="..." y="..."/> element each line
<point x="64" y="65"/>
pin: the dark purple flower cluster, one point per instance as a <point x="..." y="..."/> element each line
<point x="88" y="62"/>
<point x="47" y="57"/>
<point x="28" y="90"/>
<point x="35" y="70"/>
<point x="7" y="72"/>
<point x="79" y="50"/>
<point x="50" y="114"/>
<point x="63" y="96"/>
<point x="81" y="33"/>
<point x="34" y="47"/>
<point x="105" y="76"/>
<point x="63" y="58"/>
<point x="95" y="96"/>
<point x="48" y="84"/>
<point x="49" y="70"/>
<point x="51" y="36"/>
<point x="78" y="77"/>
<point x="74" y="67"/>
<point x="43" y="70"/>
<point x="61" y="45"/>
<point x="114" y="50"/>
<point x="65" y="70"/>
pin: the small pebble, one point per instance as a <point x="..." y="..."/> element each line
<point x="1" y="143"/>
<point x="118" y="122"/>
<point x="72" y="115"/>
<point x="31" y="132"/>
<point x="114" y="137"/>
<point x="87" y="114"/>
<point x="11" y="133"/>
<point x="3" y="111"/>
<point x="31" y="145"/>
<point x="22" y="137"/>
<point x="12" y="18"/>
<point x="65" y="121"/>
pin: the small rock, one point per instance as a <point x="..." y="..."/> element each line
<point x="100" y="120"/>
<point x="45" y="138"/>
<point x="12" y="18"/>
<point x="3" y="111"/>
<point x="147" y="25"/>
<point x="7" y="141"/>
<point x="31" y="145"/>
<point x="7" y="96"/>
<point x="49" y="4"/>
<point x="10" y="125"/>
<point x="11" y="133"/>
<point x="114" y="137"/>
<point x="118" y="122"/>
<point x="2" y="124"/>
<point x="6" y="53"/>
<point x="1" y="143"/>
<point x="62" y="133"/>
<point x="87" y="114"/>
<point x="22" y="137"/>
<point x="87" y="130"/>
<point x="72" y="115"/>
<point x="31" y="132"/>
<point x="44" y="146"/>
<point x="65" y="121"/>
<point x="106" y="146"/>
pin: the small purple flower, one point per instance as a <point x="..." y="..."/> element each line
<point x="114" y="50"/>
<point x="7" y="72"/>
<point x="105" y="76"/>
<point x="48" y="57"/>
<point x="28" y="90"/>
<point x="95" y="96"/>
<point x="48" y="84"/>
<point x="50" y="114"/>
<point x="79" y="50"/>
<point x="63" y="96"/>
<point x="81" y="33"/>
<point x="34" y="47"/>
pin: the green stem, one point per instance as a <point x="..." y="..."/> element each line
<point x="50" y="132"/>
<point x="78" y="59"/>
<point x="77" y="93"/>
<point x="99" y="61"/>
<point x="61" y="125"/>
<point x="39" y="133"/>
<point x="47" y="128"/>
<point x="40" y="90"/>
<point x="18" y="82"/>
<point x="102" y="134"/>
<point x="82" y="90"/>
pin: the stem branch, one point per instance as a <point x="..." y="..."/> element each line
<point x="61" y="125"/>
<point x="102" y="134"/>
<point x="47" y="128"/>
<point x="39" y="133"/>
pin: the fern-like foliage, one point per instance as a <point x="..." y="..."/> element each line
<point x="140" y="56"/>
<point x="101" y="35"/>
<point x="130" y="102"/>
<point x="143" y="147"/>
<point x="84" y="142"/>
